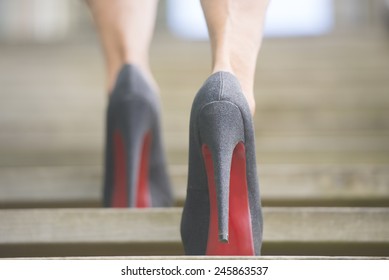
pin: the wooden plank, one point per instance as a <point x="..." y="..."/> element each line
<point x="179" y="141"/>
<point x="297" y="117"/>
<point x="313" y="185"/>
<point x="88" y="156"/>
<point x="268" y="120"/>
<point x="299" y="122"/>
<point x="50" y="186"/>
<point x="280" y="185"/>
<point x="297" y="231"/>
<point x="75" y="149"/>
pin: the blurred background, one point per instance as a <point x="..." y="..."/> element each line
<point x="322" y="85"/>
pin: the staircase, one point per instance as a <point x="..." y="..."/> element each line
<point x="322" y="137"/>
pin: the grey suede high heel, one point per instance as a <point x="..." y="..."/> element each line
<point x="135" y="168"/>
<point x="222" y="213"/>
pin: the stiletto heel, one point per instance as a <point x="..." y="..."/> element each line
<point x="135" y="170"/>
<point x="222" y="214"/>
<point x="219" y="139"/>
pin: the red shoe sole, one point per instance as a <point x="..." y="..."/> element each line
<point x="240" y="232"/>
<point x="120" y="190"/>
<point x="143" y="193"/>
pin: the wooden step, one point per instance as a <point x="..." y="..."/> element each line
<point x="300" y="113"/>
<point x="280" y="185"/>
<point x="103" y="232"/>
<point x="80" y="156"/>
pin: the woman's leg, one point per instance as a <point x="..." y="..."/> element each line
<point x="135" y="170"/>
<point x="126" y="28"/>
<point x="235" y="29"/>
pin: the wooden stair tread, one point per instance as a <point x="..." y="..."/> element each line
<point x="280" y="185"/>
<point x="38" y="232"/>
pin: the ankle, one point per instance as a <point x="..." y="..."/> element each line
<point x="247" y="90"/>
<point x="148" y="75"/>
<point x="251" y="102"/>
<point x="113" y="73"/>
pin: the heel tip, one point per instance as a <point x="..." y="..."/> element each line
<point x="223" y="238"/>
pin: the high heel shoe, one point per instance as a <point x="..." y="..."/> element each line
<point x="222" y="213"/>
<point x="135" y="168"/>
